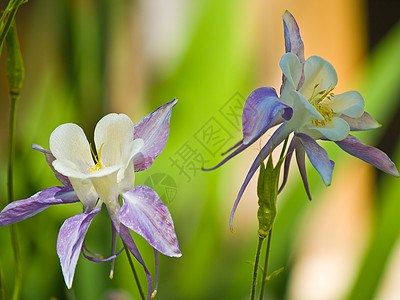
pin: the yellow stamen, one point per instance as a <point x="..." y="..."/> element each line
<point x="98" y="165"/>
<point x="316" y="100"/>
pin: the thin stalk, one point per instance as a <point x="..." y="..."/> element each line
<point x="264" y="279"/>
<point x="10" y="193"/>
<point x="15" y="74"/>
<point x="135" y="274"/>
<point x="254" y="284"/>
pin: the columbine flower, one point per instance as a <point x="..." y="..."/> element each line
<point x="310" y="109"/>
<point x="122" y="148"/>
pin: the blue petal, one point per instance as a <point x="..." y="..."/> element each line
<point x="301" y="164"/>
<point x="286" y="166"/>
<point x="22" y="209"/>
<point x="262" y="111"/>
<point x="293" y="42"/>
<point x="369" y="154"/>
<point x="154" y="130"/>
<point x="69" y="243"/>
<point x="318" y="157"/>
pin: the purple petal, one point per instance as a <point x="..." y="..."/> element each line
<point x="365" y="122"/>
<point x="293" y="42"/>
<point x="286" y="166"/>
<point x="301" y="164"/>
<point x="369" y="154"/>
<point x="50" y="158"/>
<point x="262" y="111"/>
<point x="144" y="213"/>
<point x="22" y="209"/>
<point x="154" y="130"/>
<point x="126" y="237"/>
<point x="277" y="137"/>
<point x="69" y="242"/>
<point x="318" y="157"/>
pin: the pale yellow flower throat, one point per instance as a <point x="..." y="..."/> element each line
<point x="98" y="165"/>
<point x="323" y="108"/>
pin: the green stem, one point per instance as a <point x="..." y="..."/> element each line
<point x="10" y="192"/>
<point x="8" y="15"/>
<point x="135" y="274"/>
<point x="254" y="284"/>
<point x="264" y="279"/>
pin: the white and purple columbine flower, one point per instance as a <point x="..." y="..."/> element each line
<point x="308" y="107"/>
<point x="122" y="149"/>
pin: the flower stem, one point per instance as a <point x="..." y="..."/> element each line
<point x="15" y="74"/>
<point x="254" y="284"/>
<point x="135" y="274"/>
<point x="7" y="19"/>
<point x="264" y="278"/>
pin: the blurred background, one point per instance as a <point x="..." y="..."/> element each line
<point x="84" y="59"/>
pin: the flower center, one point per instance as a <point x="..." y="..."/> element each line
<point x="317" y="100"/>
<point x="98" y="164"/>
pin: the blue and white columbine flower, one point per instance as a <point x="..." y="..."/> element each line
<point x="122" y="149"/>
<point x="307" y="107"/>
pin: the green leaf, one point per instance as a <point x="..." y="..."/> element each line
<point x="274" y="274"/>
<point x="267" y="191"/>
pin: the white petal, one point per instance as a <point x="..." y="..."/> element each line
<point x="350" y="104"/>
<point x="291" y="68"/>
<point x="68" y="142"/>
<point x="303" y="112"/>
<point x="319" y="72"/>
<point x="86" y="193"/>
<point x="126" y="176"/>
<point x="335" y="130"/>
<point x="114" y="134"/>
<point x="107" y="188"/>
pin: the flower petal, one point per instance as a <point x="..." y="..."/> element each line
<point x="262" y="111"/>
<point x="318" y="157"/>
<point x="369" y="154"/>
<point x="69" y="243"/>
<point x="144" y="213"/>
<point x="292" y="71"/>
<point x="293" y="42"/>
<point x="154" y="130"/>
<point x="126" y="237"/>
<point x="350" y="104"/>
<point x="301" y="164"/>
<point x="320" y="76"/>
<point x="238" y="148"/>
<point x="113" y="135"/>
<point x="68" y="142"/>
<point x="22" y="209"/>
<point x="277" y="137"/>
<point x="335" y="130"/>
<point x="50" y="158"/>
<point x="365" y="122"/>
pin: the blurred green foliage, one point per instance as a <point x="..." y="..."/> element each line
<point x="65" y="53"/>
